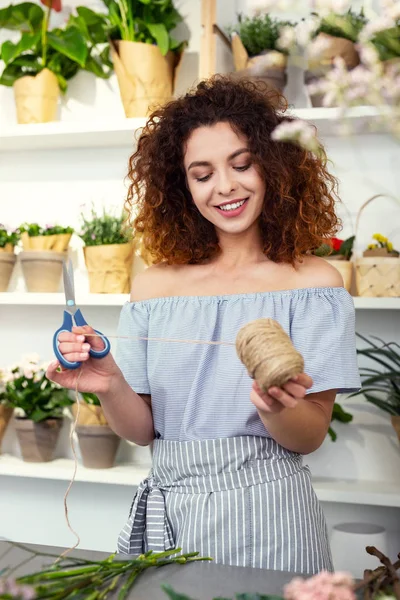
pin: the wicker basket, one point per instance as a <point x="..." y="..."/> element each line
<point x="377" y="271"/>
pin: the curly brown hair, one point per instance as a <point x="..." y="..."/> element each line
<point x="299" y="207"/>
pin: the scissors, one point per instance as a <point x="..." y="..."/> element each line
<point x="72" y="313"/>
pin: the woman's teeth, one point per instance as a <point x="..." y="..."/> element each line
<point x="232" y="206"/>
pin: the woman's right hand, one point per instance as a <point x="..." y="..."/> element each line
<point x="95" y="374"/>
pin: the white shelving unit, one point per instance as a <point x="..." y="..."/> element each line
<point x="92" y="134"/>
<point x="58" y="299"/>
<point x="369" y="493"/>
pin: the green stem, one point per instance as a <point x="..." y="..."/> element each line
<point x="45" y="24"/>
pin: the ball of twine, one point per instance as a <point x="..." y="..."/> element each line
<point x="268" y="353"/>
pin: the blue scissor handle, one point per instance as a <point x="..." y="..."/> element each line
<point x="67" y="326"/>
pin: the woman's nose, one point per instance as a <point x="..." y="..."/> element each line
<point x="226" y="184"/>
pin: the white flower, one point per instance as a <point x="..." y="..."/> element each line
<point x="299" y="132"/>
<point x="305" y="30"/>
<point x="331" y="6"/>
<point x="318" y="46"/>
<point x="287" y="38"/>
<point x="373" y="27"/>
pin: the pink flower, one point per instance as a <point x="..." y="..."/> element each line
<point x="323" y="586"/>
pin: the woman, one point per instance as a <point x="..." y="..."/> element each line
<point x="229" y="217"/>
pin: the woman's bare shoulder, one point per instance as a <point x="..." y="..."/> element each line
<point x="318" y="272"/>
<point x="157" y="281"/>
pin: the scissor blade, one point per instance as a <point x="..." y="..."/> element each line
<point x="68" y="276"/>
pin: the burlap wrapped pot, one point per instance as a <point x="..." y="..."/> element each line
<point x="109" y="268"/>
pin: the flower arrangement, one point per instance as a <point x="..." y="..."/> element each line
<point x="104" y="229"/>
<point x="27" y="389"/>
<point x="8" y="238"/>
<point x="347" y="25"/>
<point x="49" y="237"/>
<point x="337" y="248"/>
<point x="34" y="229"/>
<point x="382" y="244"/>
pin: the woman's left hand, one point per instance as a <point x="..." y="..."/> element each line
<point x="279" y="398"/>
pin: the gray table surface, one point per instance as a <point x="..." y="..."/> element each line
<point x="200" y="581"/>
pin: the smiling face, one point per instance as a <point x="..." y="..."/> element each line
<point x="225" y="185"/>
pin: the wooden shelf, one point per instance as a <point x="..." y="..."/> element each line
<point x="121" y="132"/>
<point x="109" y="300"/>
<point x="372" y="493"/>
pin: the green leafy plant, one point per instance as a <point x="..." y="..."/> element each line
<point x="8" y="237"/>
<point x="347" y="25"/>
<point x="383" y="242"/>
<point x="104" y="229"/>
<point x="336" y="247"/>
<point x="26" y="387"/>
<point x="34" y="229"/>
<point x="64" y="51"/>
<point x="387" y="42"/>
<point x="147" y="21"/>
<point x="90" y="398"/>
<point x="381" y="385"/>
<point x="260" y="33"/>
<point x="338" y="414"/>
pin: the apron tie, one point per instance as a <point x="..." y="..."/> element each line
<point x="149" y="519"/>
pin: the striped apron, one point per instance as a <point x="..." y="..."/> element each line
<point x="243" y="501"/>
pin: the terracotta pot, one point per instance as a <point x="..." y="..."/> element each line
<point x="396" y="424"/>
<point x="36" y="97"/>
<point x="98" y="445"/>
<point x="42" y="269"/>
<point x="38" y="440"/>
<point x="109" y="268"/>
<point x="5" y="416"/>
<point x="7" y="262"/>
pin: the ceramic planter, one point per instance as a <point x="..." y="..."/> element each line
<point x="345" y="268"/>
<point x="42" y="269"/>
<point x="396" y="424"/>
<point x="109" y="268"/>
<point x="38" y="440"/>
<point x="7" y="263"/>
<point x="145" y="77"/>
<point x="98" y="445"/>
<point x="5" y="416"/>
<point x="36" y="97"/>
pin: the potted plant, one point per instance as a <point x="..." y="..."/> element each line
<point x="339" y="252"/>
<point x="256" y="49"/>
<point x="8" y="241"/>
<point x="387" y="44"/>
<point x="6" y="410"/>
<point x="144" y="53"/>
<point x="44" y="249"/>
<point x="378" y="270"/>
<point x="40" y="63"/>
<point x="108" y="252"/>
<point x="381" y="385"/>
<point x="97" y="442"/>
<point x="334" y="38"/>
<point x="38" y="404"/>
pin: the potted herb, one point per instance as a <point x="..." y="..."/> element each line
<point x="144" y="52"/>
<point x="44" y="250"/>
<point x="378" y="270"/>
<point x="40" y="63"/>
<point x="381" y="385"/>
<point x="256" y="50"/>
<point x="334" y="38"/>
<point x="38" y="404"/>
<point x="108" y="252"/>
<point x="339" y="252"/>
<point x="8" y="241"/>
<point x="97" y="442"/>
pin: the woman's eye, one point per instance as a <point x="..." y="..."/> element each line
<point x="242" y="168"/>
<point x="205" y="178"/>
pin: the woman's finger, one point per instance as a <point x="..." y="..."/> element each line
<point x="91" y="337"/>
<point x="304" y="380"/>
<point x="283" y="397"/>
<point x="68" y="347"/>
<point x="295" y="390"/>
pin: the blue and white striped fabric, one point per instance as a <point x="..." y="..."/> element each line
<point x="202" y="392"/>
